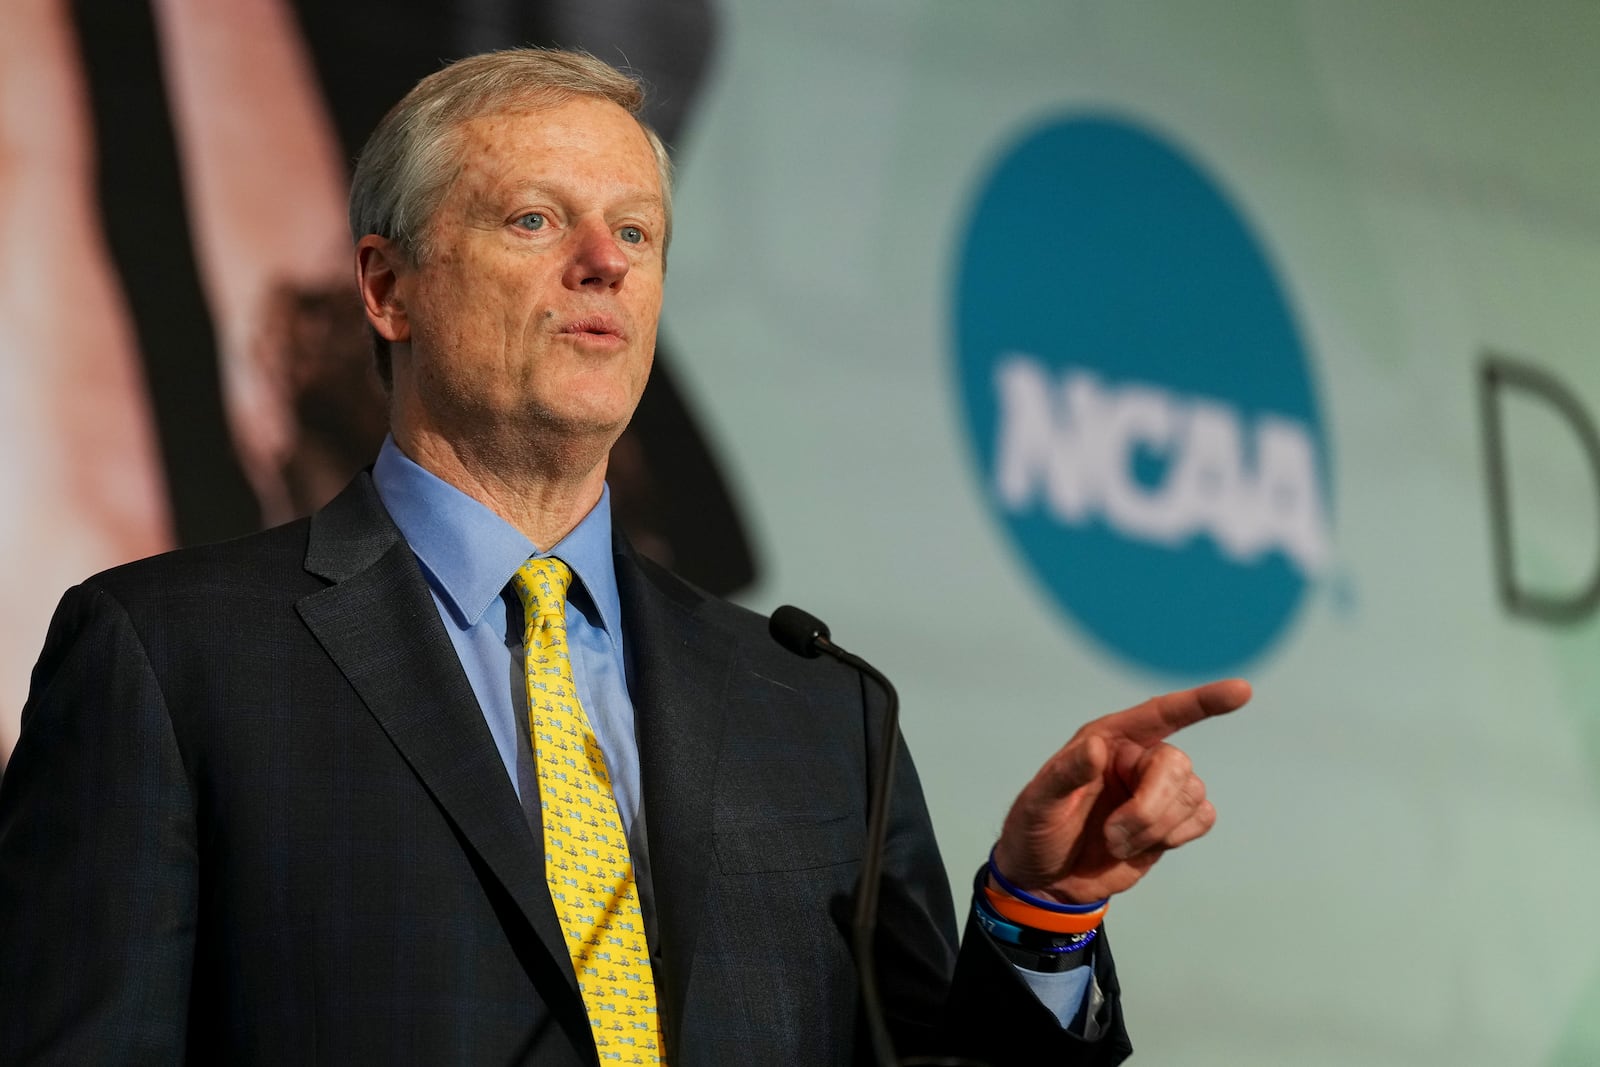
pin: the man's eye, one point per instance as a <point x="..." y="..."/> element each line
<point x="631" y="234"/>
<point x="533" y="220"/>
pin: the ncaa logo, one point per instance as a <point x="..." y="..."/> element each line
<point x="1138" y="398"/>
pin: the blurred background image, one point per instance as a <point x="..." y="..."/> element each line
<point x="1124" y="345"/>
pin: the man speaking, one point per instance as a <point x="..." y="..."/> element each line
<point x="447" y="774"/>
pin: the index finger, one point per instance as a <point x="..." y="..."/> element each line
<point x="1160" y="717"/>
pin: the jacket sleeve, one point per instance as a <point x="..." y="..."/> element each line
<point x="995" y="1016"/>
<point x="98" y="858"/>
<point x="984" y="1011"/>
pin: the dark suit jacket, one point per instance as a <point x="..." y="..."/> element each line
<point x="255" y="816"/>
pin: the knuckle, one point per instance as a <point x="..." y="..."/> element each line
<point x="1141" y="814"/>
<point x="1178" y="761"/>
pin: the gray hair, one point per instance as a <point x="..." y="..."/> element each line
<point x="413" y="156"/>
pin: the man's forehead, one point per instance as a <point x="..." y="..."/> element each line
<point x="544" y="147"/>
<point x="581" y="120"/>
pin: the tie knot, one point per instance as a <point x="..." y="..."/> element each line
<point x="542" y="584"/>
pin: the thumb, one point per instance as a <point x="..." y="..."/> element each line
<point x="1044" y="828"/>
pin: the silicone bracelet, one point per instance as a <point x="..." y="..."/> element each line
<point x="1021" y="936"/>
<point x="1023" y="914"/>
<point x="1039" y="902"/>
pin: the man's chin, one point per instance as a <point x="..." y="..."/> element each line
<point x="575" y="438"/>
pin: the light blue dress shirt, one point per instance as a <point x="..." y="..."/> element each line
<point x="468" y="555"/>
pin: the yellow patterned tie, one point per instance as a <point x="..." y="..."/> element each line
<point x="586" y="858"/>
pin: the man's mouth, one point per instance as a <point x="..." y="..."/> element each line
<point x="595" y="326"/>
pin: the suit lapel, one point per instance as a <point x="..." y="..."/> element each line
<point x="679" y="677"/>
<point x="380" y="626"/>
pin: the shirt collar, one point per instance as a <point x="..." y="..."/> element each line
<point x="468" y="553"/>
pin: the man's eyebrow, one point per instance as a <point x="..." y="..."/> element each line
<point x="626" y="198"/>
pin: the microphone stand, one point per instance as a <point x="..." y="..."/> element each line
<point x="865" y="924"/>
<point x="806" y="635"/>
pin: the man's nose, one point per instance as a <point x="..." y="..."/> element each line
<point x="598" y="260"/>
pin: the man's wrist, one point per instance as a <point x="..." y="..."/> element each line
<point x="1010" y="888"/>
<point x="1033" y="949"/>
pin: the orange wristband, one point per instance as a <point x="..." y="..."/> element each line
<point x="1024" y="914"/>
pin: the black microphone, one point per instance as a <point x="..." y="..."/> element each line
<point x="798" y="631"/>
<point x="806" y="635"/>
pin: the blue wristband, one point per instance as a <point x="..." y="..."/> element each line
<point x="1002" y="929"/>
<point x="1039" y="902"/>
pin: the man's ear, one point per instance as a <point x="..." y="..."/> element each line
<point x="379" y="263"/>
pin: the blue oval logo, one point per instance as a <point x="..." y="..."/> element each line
<point x="1138" y="397"/>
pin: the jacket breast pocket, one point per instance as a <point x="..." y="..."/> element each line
<point x="793" y="844"/>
